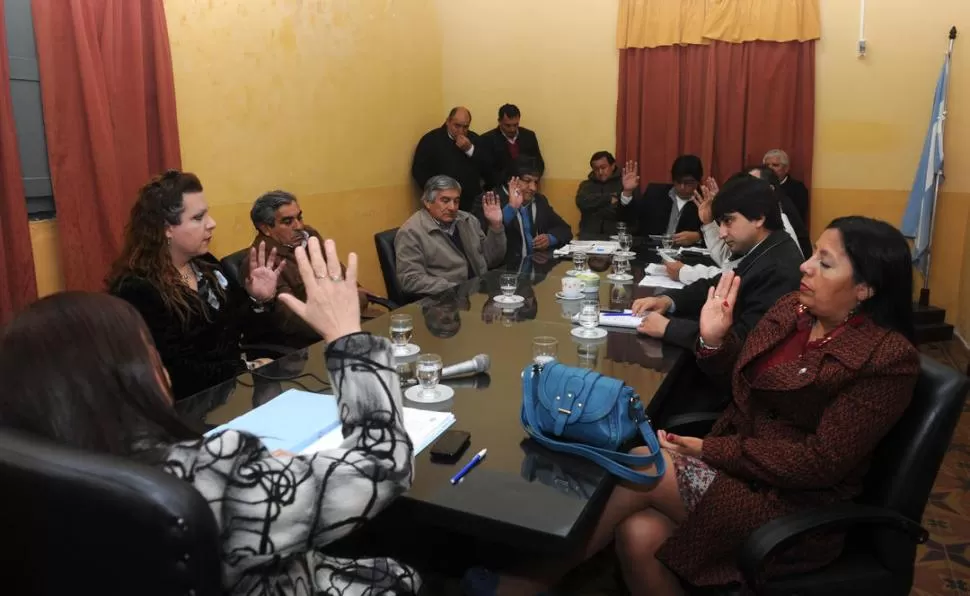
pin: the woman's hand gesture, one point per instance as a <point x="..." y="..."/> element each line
<point x="717" y="314"/>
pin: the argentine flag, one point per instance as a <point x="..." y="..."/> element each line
<point x="918" y="218"/>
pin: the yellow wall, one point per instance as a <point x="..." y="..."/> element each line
<point x="871" y="116"/>
<point x="555" y="59"/>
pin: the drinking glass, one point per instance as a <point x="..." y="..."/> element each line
<point x="544" y="349"/>
<point x="508" y="283"/>
<point x="580" y="262"/>
<point x="402" y="329"/>
<point x="667" y="241"/>
<point x="621" y="266"/>
<point x="626" y="242"/>
<point x="620" y="228"/>
<point x="589" y="317"/>
<point x="428" y="372"/>
<point x="588" y="355"/>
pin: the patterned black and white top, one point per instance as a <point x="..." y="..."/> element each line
<point x="275" y="513"/>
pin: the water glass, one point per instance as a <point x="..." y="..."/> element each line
<point x="544" y="349"/>
<point x="402" y="330"/>
<point x="667" y="241"/>
<point x="508" y="283"/>
<point x="621" y="265"/>
<point x="588" y="355"/>
<point x="428" y="372"/>
<point x="626" y="241"/>
<point x="589" y="317"/>
<point x="580" y="261"/>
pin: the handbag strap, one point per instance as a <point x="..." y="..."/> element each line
<point x="612" y="461"/>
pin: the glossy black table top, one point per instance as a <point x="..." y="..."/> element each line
<point x="521" y="491"/>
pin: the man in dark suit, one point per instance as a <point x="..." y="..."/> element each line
<point x="667" y="209"/>
<point x="507" y="142"/>
<point x="453" y="150"/>
<point x="531" y="224"/>
<point x="750" y="224"/>
<point x="777" y="160"/>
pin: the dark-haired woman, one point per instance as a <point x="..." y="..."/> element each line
<point x="817" y="384"/>
<point x="196" y="313"/>
<point x="80" y="369"/>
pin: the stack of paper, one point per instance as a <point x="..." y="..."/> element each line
<point x="660" y="281"/>
<point x="695" y="249"/>
<point x="305" y="422"/>
<point x="590" y="247"/>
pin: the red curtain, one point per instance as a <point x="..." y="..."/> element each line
<point x="728" y="103"/>
<point x="109" y="111"/>
<point x="18" y="283"/>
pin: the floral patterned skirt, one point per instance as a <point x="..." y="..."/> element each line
<point x="693" y="478"/>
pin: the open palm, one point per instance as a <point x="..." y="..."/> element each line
<point x="263" y="273"/>
<point x="717" y="314"/>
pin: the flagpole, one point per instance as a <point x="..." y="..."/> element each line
<point x="924" y="294"/>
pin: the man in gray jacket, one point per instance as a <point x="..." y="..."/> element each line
<point x="440" y="246"/>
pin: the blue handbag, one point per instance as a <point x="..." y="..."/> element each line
<point x="578" y="411"/>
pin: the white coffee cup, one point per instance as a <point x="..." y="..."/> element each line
<point x="572" y="287"/>
<point x="591" y="281"/>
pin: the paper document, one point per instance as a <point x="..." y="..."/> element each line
<point x="590" y="247"/>
<point x="627" y="319"/>
<point x="422" y="426"/>
<point x="655" y="269"/>
<point x="291" y="421"/>
<point x="660" y="281"/>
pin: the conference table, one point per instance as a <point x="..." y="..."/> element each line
<point x="522" y="493"/>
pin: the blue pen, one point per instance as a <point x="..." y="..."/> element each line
<point x="468" y="467"/>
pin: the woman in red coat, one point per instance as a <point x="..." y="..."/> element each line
<point x="817" y="384"/>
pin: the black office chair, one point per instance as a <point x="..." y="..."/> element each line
<point x="883" y="523"/>
<point x="384" y="241"/>
<point x="80" y="523"/>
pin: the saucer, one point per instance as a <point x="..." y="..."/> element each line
<point x="406" y="351"/>
<point x="620" y="277"/>
<point x="597" y="333"/>
<point x="573" y="272"/>
<point x="625" y="254"/>
<point x="513" y="299"/>
<point x="441" y="393"/>
<point x="562" y="296"/>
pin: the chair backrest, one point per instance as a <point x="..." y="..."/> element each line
<point x="81" y="523"/>
<point x="232" y="264"/>
<point x="386" y="255"/>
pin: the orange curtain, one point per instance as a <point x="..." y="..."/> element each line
<point x="18" y="284"/>
<point x="727" y="103"/>
<point x="109" y="112"/>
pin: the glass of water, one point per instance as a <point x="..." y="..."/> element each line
<point x="428" y="372"/>
<point x="544" y="349"/>
<point x="402" y="330"/>
<point x="508" y="283"/>
<point x="621" y="266"/>
<point x="589" y="317"/>
<point x="667" y="241"/>
<point x="580" y="261"/>
<point x="626" y="241"/>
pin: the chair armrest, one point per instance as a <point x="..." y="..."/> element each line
<point x="382" y="302"/>
<point x="694" y="424"/>
<point x="763" y="541"/>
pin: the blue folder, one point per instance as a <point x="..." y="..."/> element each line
<point x="292" y="421"/>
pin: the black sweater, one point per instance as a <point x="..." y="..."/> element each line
<point x="437" y="154"/>
<point x="205" y="350"/>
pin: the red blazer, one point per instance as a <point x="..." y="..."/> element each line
<point x="799" y="437"/>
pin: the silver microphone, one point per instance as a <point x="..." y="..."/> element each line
<point x="478" y="364"/>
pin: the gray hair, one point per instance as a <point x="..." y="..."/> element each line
<point x="435" y="185"/>
<point x="776" y="153"/>
<point x="264" y="209"/>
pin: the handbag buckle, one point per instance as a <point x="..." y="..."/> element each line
<point x="636" y="409"/>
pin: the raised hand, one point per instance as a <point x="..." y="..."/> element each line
<point x="717" y="314"/>
<point x="492" y="207"/>
<point x="263" y="273"/>
<point x="331" y="306"/>
<point x="515" y="193"/>
<point x="631" y="179"/>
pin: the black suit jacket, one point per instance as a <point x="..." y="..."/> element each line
<point x="500" y="156"/>
<point x="798" y="193"/>
<point x="650" y="212"/>
<point x="437" y="154"/>
<point x="797" y="224"/>
<point x="767" y="273"/>
<point x="545" y="221"/>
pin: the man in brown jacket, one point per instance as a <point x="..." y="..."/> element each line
<point x="278" y="220"/>
<point x="440" y="246"/>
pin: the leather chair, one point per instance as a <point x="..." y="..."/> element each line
<point x="883" y="524"/>
<point x="79" y="523"/>
<point x="384" y="241"/>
